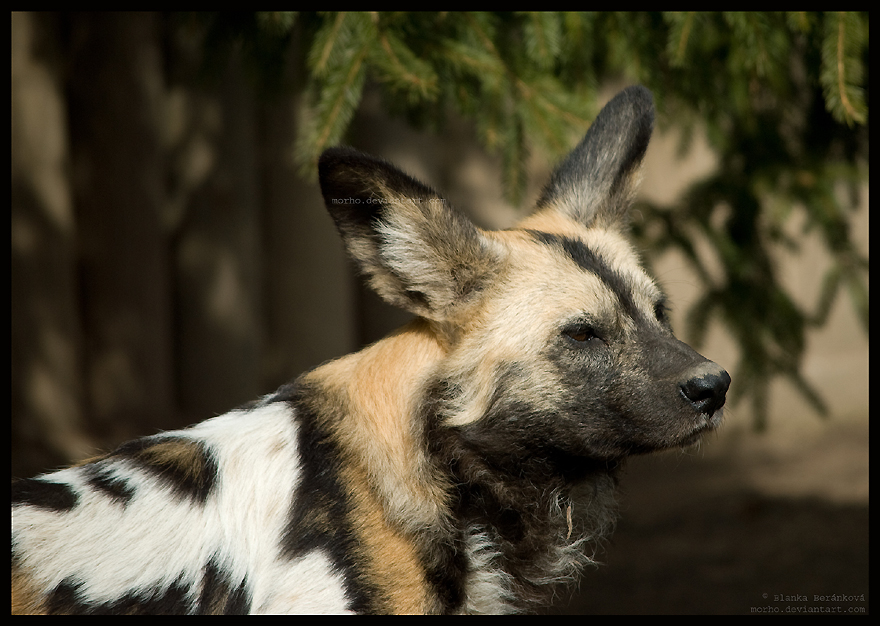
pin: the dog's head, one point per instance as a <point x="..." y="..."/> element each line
<point x="557" y="340"/>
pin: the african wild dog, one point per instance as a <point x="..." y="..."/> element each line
<point x="466" y="463"/>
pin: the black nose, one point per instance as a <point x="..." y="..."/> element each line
<point x="705" y="387"/>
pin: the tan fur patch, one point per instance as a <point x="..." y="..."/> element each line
<point x="551" y="221"/>
<point x="377" y="387"/>
<point x="26" y="599"/>
<point x="391" y="559"/>
<point x="387" y="477"/>
<point x="185" y="458"/>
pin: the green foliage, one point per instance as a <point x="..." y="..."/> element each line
<point x="781" y="96"/>
<point x="842" y="75"/>
<point x="500" y="70"/>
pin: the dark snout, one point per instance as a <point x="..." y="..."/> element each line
<point x="705" y="387"/>
<point x="669" y="399"/>
<point x="701" y="383"/>
<point x="687" y="392"/>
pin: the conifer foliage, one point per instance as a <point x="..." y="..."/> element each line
<point x="781" y="96"/>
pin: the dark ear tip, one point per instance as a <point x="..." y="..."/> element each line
<point x="342" y="171"/>
<point x="639" y="97"/>
<point x="640" y="93"/>
<point x="640" y="102"/>
<point x="602" y="164"/>
<point x="332" y="158"/>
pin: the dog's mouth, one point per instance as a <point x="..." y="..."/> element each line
<point x="696" y="435"/>
<point x="694" y="438"/>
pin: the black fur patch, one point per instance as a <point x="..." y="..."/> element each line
<point x="320" y="517"/>
<point x="44" y="494"/>
<point x="184" y="465"/>
<point x="219" y="597"/>
<point x="507" y="480"/>
<point x="102" y="479"/>
<point x="66" y="599"/>
<point x="446" y="568"/>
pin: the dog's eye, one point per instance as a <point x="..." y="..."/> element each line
<point x="581" y="334"/>
<point x="660" y="312"/>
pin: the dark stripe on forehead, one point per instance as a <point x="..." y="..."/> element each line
<point x="588" y="260"/>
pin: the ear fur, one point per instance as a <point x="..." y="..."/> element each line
<point x="419" y="252"/>
<point x="596" y="183"/>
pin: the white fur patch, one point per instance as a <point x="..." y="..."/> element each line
<point x="157" y="538"/>
<point x="488" y="586"/>
<point x="307" y="585"/>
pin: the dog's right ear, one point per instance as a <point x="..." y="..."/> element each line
<point x="419" y="253"/>
<point x="595" y="184"/>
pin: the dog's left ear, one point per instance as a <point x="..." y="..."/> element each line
<point x="419" y="253"/>
<point x="597" y="182"/>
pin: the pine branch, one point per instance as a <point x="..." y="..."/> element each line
<point x="328" y="39"/>
<point x="680" y="27"/>
<point x="542" y="33"/>
<point x="402" y="70"/>
<point x="334" y="92"/>
<point x="842" y="69"/>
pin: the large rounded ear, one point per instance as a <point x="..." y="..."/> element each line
<point x="419" y="253"/>
<point x="596" y="183"/>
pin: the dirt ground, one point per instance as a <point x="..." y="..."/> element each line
<point x="773" y="523"/>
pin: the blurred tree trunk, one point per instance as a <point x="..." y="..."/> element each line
<point x="309" y="281"/>
<point x="217" y="257"/>
<point x="45" y="354"/>
<point x="115" y="106"/>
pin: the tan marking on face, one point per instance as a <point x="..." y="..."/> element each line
<point x="611" y="245"/>
<point x="540" y="291"/>
<point x="550" y="220"/>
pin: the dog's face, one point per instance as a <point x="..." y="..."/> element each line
<point x="572" y="351"/>
<point x="558" y="344"/>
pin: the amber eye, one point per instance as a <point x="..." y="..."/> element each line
<point x="580" y="333"/>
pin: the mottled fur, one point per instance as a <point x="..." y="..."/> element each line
<point x="465" y="464"/>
